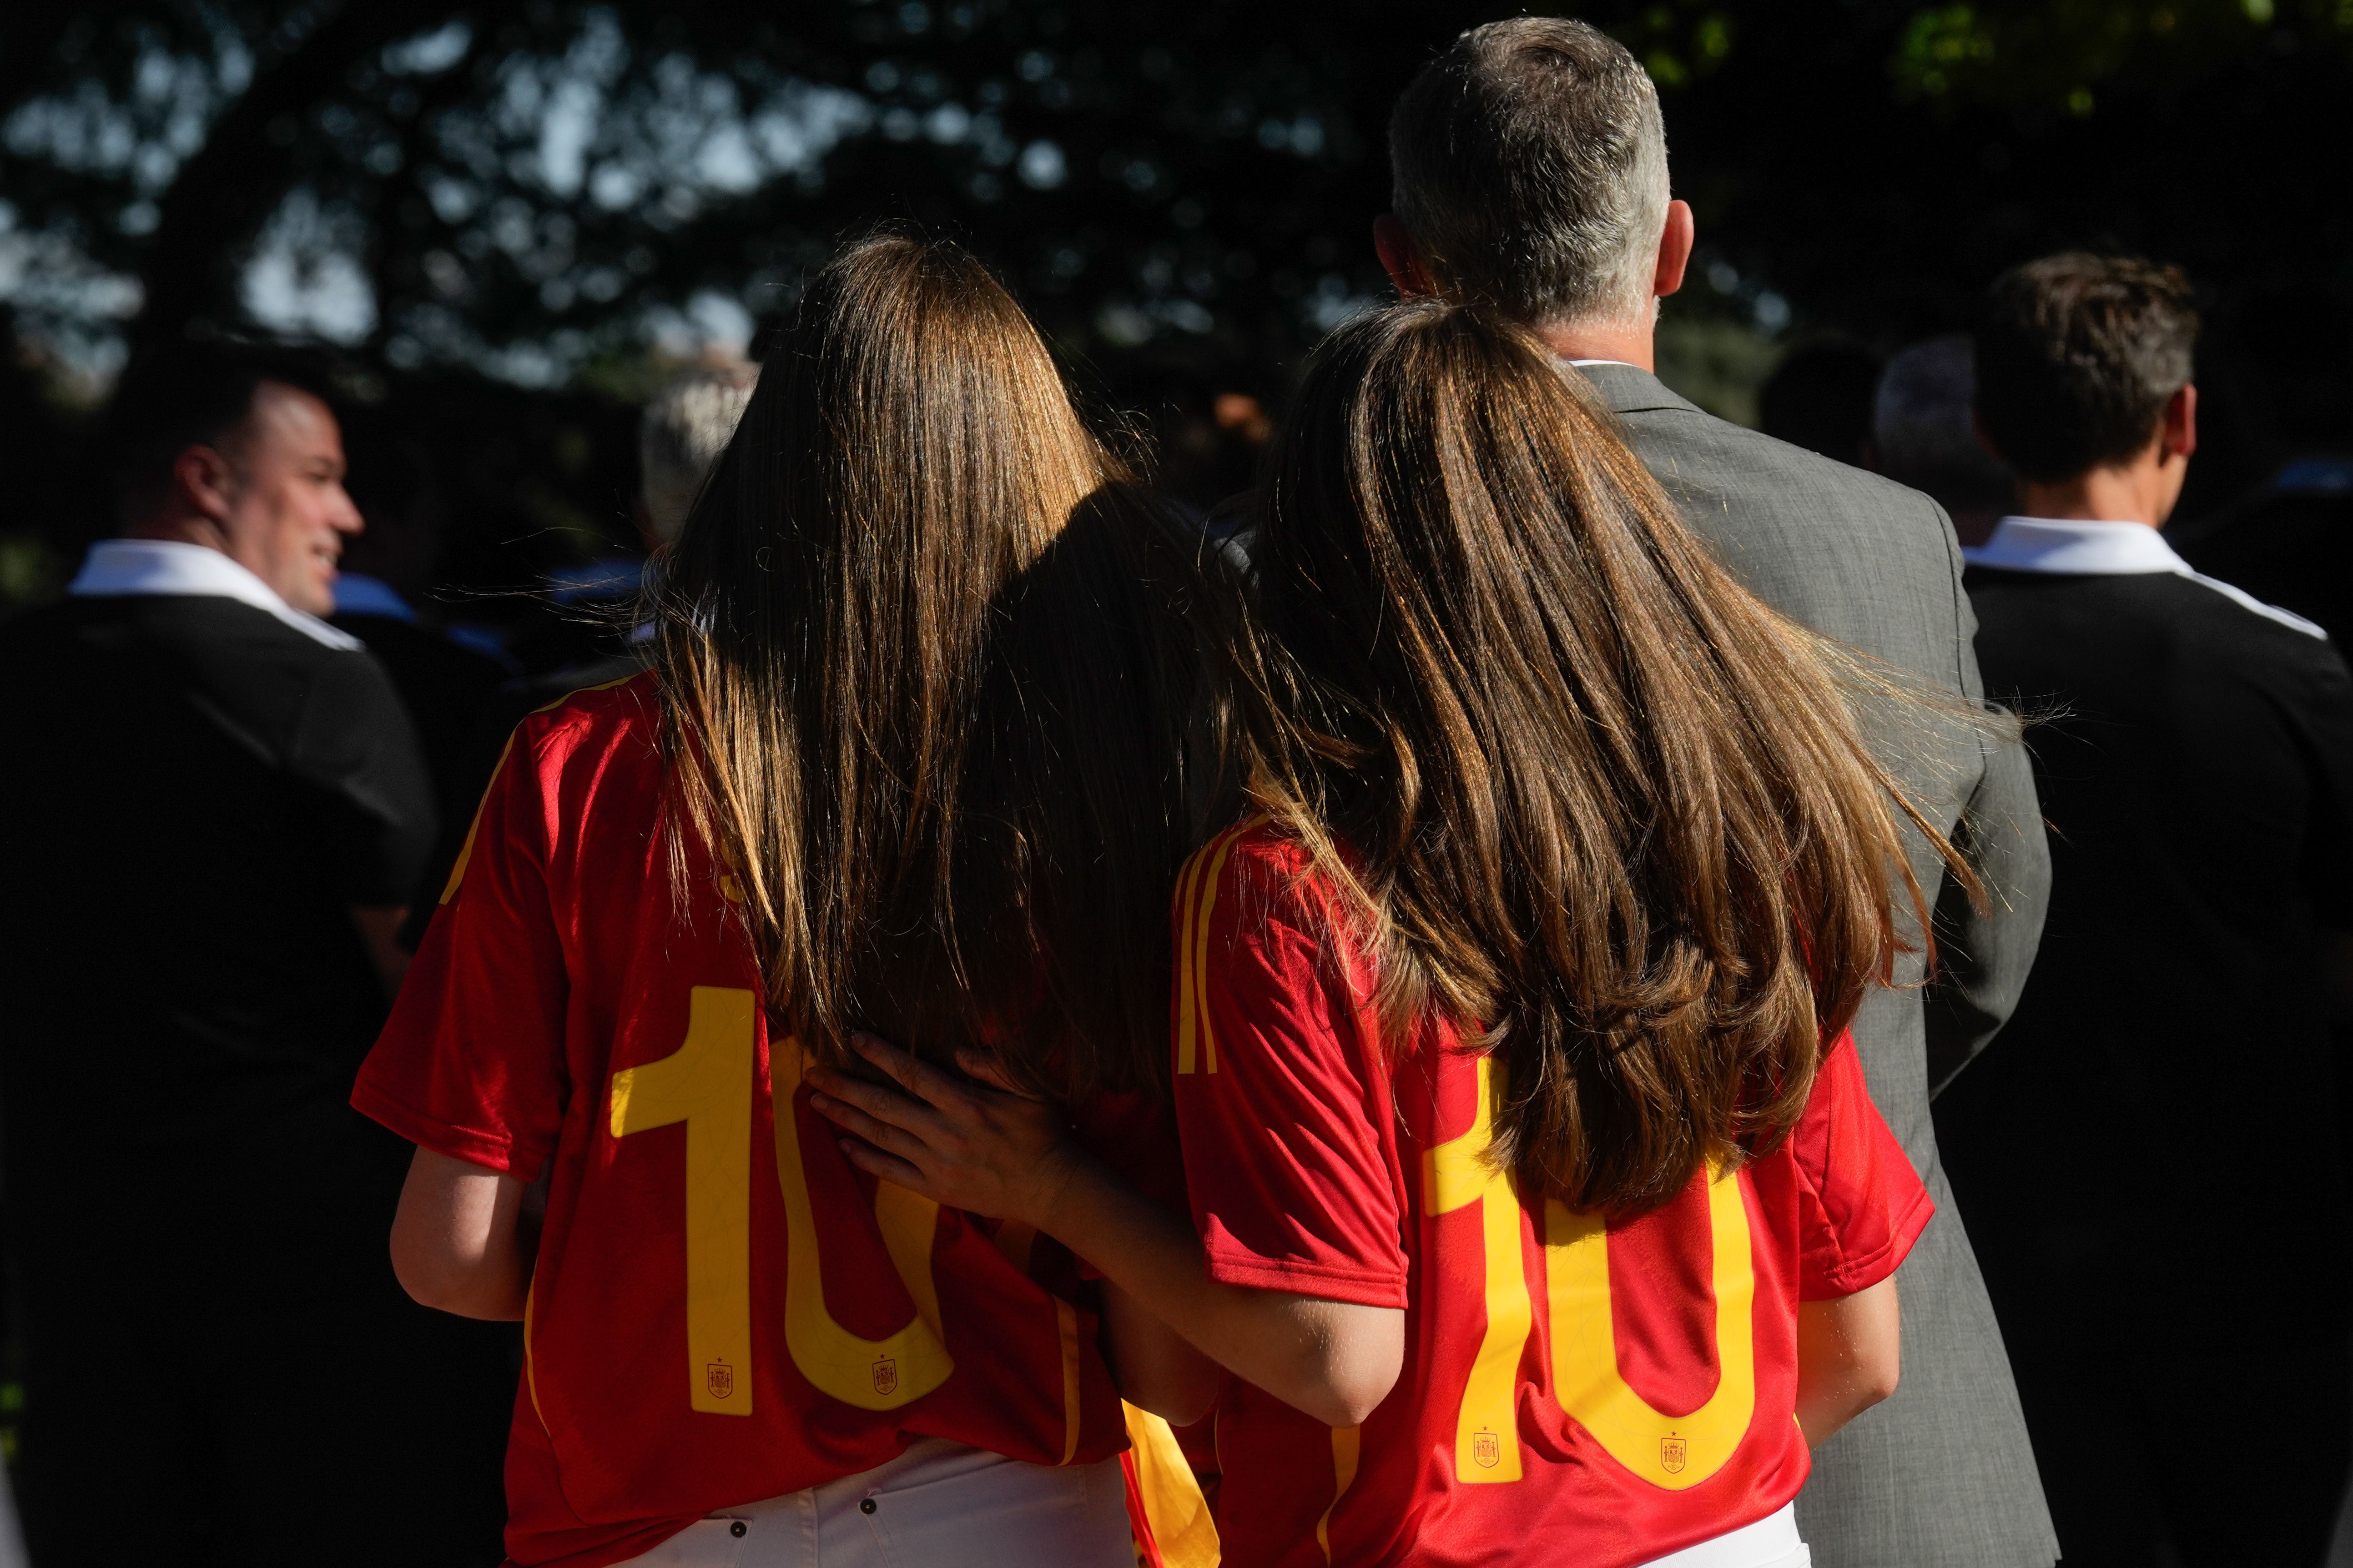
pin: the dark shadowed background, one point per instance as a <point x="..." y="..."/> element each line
<point x="514" y="220"/>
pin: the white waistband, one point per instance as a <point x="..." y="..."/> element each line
<point x="1769" y="1542"/>
<point x="938" y="1505"/>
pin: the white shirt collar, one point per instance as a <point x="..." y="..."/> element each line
<point x="2082" y="547"/>
<point x="2077" y="547"/>
<point x="1581" y="363"/>
<point x="167" y="566"/>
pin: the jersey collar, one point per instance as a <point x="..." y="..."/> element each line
<point x="168" y="566"/>
<point x="2077" y="547"/>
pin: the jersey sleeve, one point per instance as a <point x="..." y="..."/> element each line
<point x="471" y="1063"/>
<point x="1281" y="1107"/>
<point x="1863" y="1205"/>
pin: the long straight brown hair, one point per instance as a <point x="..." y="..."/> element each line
<point x="1592" y="800"/>
<point x="920" y="691"/>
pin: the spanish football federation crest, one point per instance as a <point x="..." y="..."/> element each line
<point x="1674" y="1453"/>
<point x="719" y="1378"/>
<point x="1487" y="1448"/>
<point x="886" y="1376"/>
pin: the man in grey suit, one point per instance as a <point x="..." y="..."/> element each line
<point x="1531" y="174"/>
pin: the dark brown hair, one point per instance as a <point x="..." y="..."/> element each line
<point x="2076" y="358"/>
<point x="921" y="689"/>
<point x="1591" y="798"/>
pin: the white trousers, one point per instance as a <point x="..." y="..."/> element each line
<point x="938" y="1505"/>
<point x="1770" y="1542"/>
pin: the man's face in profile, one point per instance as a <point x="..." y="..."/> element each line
<point x="289" y="515"/>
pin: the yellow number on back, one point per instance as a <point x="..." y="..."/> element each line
<point x="707" y="1084"/>
<point x="1671" y="1451"/>
<point x="1456" y="1174"/>
<point x="874" y="1374"/>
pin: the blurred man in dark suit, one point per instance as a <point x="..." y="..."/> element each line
<point x="2155" y="1161"/>
<point x="212" y="814"/>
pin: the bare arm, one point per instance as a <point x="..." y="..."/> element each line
<point x="995" y="1153"/>
<point x="1848" y="1353"/>
<point x="379" y="928"/>
<point x="1156" y="1368"/>
<point x="462" y="1241"/>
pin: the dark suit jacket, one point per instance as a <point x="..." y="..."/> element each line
<point x="1940" y="1476"/>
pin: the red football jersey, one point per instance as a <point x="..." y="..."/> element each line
<point x="724" y="1307"/>
<point x="1573" y="1391"/>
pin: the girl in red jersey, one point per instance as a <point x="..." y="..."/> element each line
<point x="1539" y="1210"/>
<point x="905" y="759"/>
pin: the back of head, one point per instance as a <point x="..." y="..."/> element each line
<point x="190" y="393"/>
<point x="831" y="638"/>
<point x="680" y="434"/>
<point x="1601" y="802"/>
<point x="1530" y="163"/>
<point x="1921" y="423"/>
<point x="2077" y="357"/>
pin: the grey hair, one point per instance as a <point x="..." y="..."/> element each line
<point x="1530" y="163"/>
<point x="1921" y="423"/>
<point x="680" y="437"/>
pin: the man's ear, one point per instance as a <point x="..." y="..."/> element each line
<point x="203" y="482"/>
<point x="2177" y="428"/>
<point x="1401" y="258"/>
<point x="1674" y="249"/>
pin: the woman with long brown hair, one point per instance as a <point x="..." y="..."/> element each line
<point x="906" y="759"/>
<point x="1540" y="1207"/>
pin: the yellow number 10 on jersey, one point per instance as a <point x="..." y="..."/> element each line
<point x="1671" y="1451"/>
<point x="707" y="1084"/>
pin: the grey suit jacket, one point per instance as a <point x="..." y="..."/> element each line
<point x="1940" y="1476"/>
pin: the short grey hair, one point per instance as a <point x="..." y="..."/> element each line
<point x="1530" y="163"/>
<point x="680" y="437"/>
<point x="1921" y="423"/>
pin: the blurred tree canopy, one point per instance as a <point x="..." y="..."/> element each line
<point x="562" y="196"/>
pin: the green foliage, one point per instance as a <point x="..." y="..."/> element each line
<point x="1682" y="43"/>
<point x="574" y="197"/>
<point x="2059" y="53"/>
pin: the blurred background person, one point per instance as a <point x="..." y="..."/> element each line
<point x="2153" y="1159"/>
<point x="589" y="609"/>
<point x="1543" y="138"/>
<point x="381" y="584"/>
<point x="1923" y="430"/>
<point x="684" y="429"/>
<point x="680" y="433"/>
<point x="1818" y="397"/>
<point x="214" y="811"/>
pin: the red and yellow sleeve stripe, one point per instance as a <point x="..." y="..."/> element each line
<point x="1196" y="902"/>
